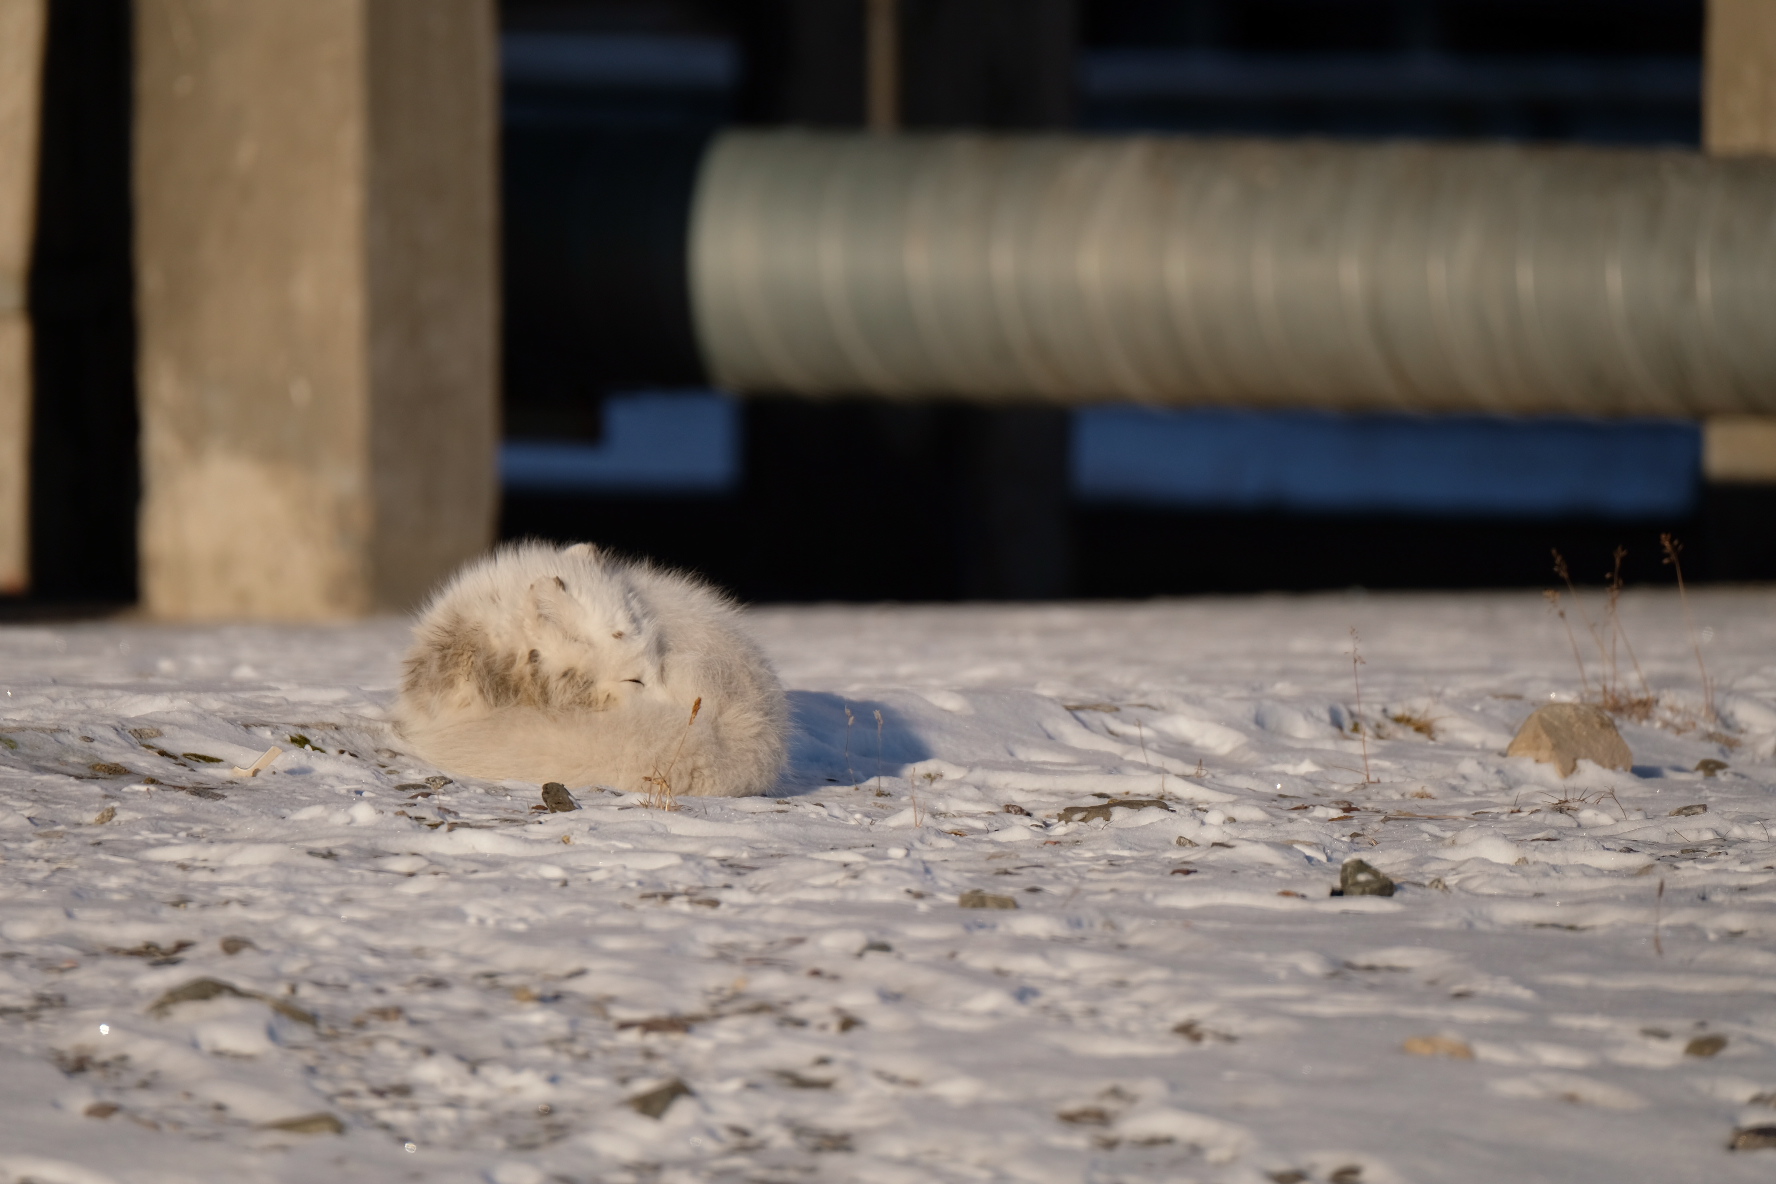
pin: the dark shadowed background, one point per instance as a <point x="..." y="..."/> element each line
<point x="613" y="436"/>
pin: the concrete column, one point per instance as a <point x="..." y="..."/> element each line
<point x="21" y="73"/>
<point x="1739" y="451"/>
<point x="316" y="276"/>
<point x="1739" y="89"/>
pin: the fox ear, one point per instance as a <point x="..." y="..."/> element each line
<point x="550" y="598"/>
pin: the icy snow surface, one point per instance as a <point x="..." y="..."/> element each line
<point x="431" y="981"/>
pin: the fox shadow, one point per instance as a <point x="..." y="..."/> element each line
<point x="827" y="749"/>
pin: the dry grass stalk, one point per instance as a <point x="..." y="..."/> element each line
<point x="1646" y="689"/>
<point x="1611" y="695"/>
<point x="850" y="720"/>
<point x="661" y="793"/>
<point x="1672" y="547"/>
<point x="1554" y="603"/>
<point x="1357" y="724"/>
<point x="878" y="750"/>
<point x="1658" y="906"/>
<point x="1424" y="725"/>
<point x="1572" y="803"/>
<point x="913" y="796"/>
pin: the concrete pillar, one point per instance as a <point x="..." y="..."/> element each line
<point x="1739" y="119"/>
<point x="316" y="275"/>
<point x="1739" y="88"/>
<point x="21" y="71"/>
<point x="1739" y="451"/>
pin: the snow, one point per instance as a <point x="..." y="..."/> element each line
<point x="430" y="981"/>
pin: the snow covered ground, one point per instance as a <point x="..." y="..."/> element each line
<point x="414" y="978"/>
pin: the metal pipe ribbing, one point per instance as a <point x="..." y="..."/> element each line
<point x="1176" y="271"/>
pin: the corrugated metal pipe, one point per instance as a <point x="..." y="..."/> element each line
<point x="1184" y="271"/>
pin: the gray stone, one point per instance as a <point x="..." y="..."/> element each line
<point x="307" y="1124"/>
<point x="1357" y="878"/>
<point x="655" y="1102"/>
<point x="1753" y="1138"/>
<point x="1705" y="1046"/>
<point x="1562" y="734"/>
<point x="976" y="899"/>
<point x="1101" y="811"/>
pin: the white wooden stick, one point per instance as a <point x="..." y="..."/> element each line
<point x="270" y="754"/>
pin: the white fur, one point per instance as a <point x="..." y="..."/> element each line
<point x="542" y="664"/>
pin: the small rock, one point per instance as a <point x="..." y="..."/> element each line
<point x="1438" y="1046"/>
<point x="1562" y="734"/>
<point x="813" y="1139"/>
<point x="557" y="799"/>
<point x="1357" y="878"/>
<point x="151" y="949"/>
<point x="108" y="769"/>
<point x="974" y="898"/>
<point x="1350" y="1173"/>
<point x="195" y="991"/>
<point x="101" y="1109"/>
<point x="1753" y="1138"/>
<point x="674" y="1025"/>
<point x="1689" y="811"/>
<point x="234" y="945"/>
<point x="656" y="1101"/>
<point x="1288" y="1177"/>
<point x="1705" y="1046"/>
<point x="1101" y="811"/>
<point x="1014" y="808"/>
<point x="104" y="816"/>
<point x="200" y="989"/>
<point x="1184" y="842"/>
<point x="1708" y="766"/>
<point x="1085" y="1116"/>
<point x="1194" y="1032"/>
<point x="307" y="1124"/>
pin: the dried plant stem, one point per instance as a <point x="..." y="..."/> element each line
<point x="849" y="721"/>
<point x="878" y="749"/>
<point x="1554" y="603"/>
<point x="1618" y="633"/>
<point x="1565" y="573"/>
<point x="1357" y="681"/>
<point x="1658" y="904"/>
<point x="1611" y="613"/>
<point x="1646" y="688"/>
<point x="1672" y="547"/>
<point x="661" y="794"/>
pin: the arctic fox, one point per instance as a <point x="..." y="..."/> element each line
<point x="542" y="664"/>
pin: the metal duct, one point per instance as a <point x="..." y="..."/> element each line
<point x="1180" y="271"/>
